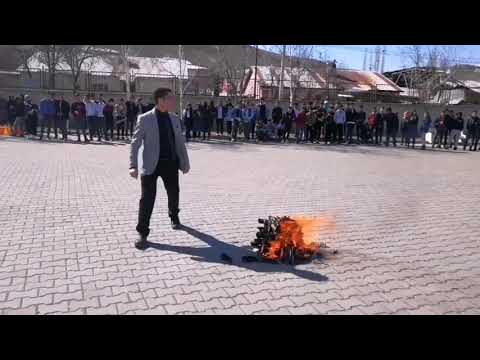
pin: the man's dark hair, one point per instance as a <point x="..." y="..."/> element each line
<point x="160" y="93"/>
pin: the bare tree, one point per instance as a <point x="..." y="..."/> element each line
<point x="79" y="58"/>
<point x="282" y="72"/>
<point x="24" y="53"/>
<point x="298" y="57"/>
<point x="233" y="62"/>
<point x="50" y="56"/>
<point x="432" y="65"/>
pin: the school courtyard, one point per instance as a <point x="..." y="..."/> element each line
<point x="407" y="235"/>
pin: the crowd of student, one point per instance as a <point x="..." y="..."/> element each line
<point x="314" y="123"/>
<point x="90" y="114"/>
<point x="332" y="124"/>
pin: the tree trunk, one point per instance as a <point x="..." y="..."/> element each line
<point x="180" y="86"/>
<point x="282" y="71"/>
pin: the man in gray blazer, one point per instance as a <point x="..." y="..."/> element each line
<point x="164" y="153"/>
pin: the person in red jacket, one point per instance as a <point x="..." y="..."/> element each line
<point x="300" y="124"/>
<point x="108" y="114"/>
<point x="79" y="117"/>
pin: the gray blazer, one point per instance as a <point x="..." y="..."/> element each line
<point x="146" y="133"/>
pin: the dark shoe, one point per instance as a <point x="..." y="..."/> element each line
<point x="141" y="243"/>
<point x="175" y="222"/>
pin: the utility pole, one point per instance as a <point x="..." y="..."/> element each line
<point x="282" y="72"/>
<point x="255" y="79"/>
<point x="382" y="66"/>
<point x="180" y="75"/>
<point x="125" y="67"/>
<point x="365" y="60"/>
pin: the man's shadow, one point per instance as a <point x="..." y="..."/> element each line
<point x="216" y="248"/>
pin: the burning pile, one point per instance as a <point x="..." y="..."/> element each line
<point x="287" y="239"/>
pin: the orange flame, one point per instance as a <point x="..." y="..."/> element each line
<point x="301" y="233"/>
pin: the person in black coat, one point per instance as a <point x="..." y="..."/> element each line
<point x="379" y="127"/>
<point x="132" y="112"/>
<point x="449" y="125"/>
<point x="392" y="122"/>
<point x="205" y="120"/>
<point x="211" y="113"/>
<point x="11" y="110"/>
<point x="412" y="127"/>
<point x="330" y="127"/>
<point x="197" y="121"/>
<point x="287" y="123"/>
<point x="473" y="132"/>
<point x="361" y="124"/>
<point x="31" y="113"/>
<point x="188" y="121"/>
<point x="63" y="113"/>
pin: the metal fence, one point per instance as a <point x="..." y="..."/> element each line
<point x="200" y="85"/>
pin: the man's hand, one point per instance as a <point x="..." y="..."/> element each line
<point x="134" y="173"/>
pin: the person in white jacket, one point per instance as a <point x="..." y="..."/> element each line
<point x="339" y="123"/>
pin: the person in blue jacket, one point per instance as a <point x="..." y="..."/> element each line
<point x="48" y="112"/>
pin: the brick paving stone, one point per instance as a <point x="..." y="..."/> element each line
<point x="67" y="248"/>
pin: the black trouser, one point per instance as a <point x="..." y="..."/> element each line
<point x="329" y="133"/>
<point x="207" y="128"/>
<point x="445" y="137"/>
<point x="404" y="135"/>
<point x="168" y="171"/>
<point x="121" y="130"/>
<point x="31" y="125"/>
<point x="253" y="124"/>
<point x="475" y="142"/>
<point x="229" y="127"/>
<point x="378" y="135"/>
<point x="308" y="130"/>
<point x="50" y="122"/>
<point x="130" y="124"/>
<point x="109" y="127"/>
<point x="312" y="134"/>
<point x="81" y="124"/>
<point x="62" y="125"/>
<point x="363" y="131"/>
<point x="286" y="133"/>
<point x="318" y="131"/>
<point x="412" y="140"/>
<point x="474" y="138"/>
<point x="220" y="126"/>
<point x="188" y="129"/>
<point x="438" y="138"/>
<point x="339" y="133"/>
<point x="92" y="126"/>
<point x="350" y="128"/>
<point x="235" y="126"/>
<point x="391" y="133"/>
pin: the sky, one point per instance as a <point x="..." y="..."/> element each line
<point x="352" y="56"/>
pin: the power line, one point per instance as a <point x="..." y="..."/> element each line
<point x="399" y="54"/>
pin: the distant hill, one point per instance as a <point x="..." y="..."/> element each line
<point x="203" y="55"/>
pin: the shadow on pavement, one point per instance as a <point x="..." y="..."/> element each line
<point x="212" y="254"/>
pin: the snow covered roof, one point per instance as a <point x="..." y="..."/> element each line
<point x="472" y="85"/>
<point x="449" y="97"/>
<point x="270" y="76"/>
<point x="369" y="80"/>
<point x="140" y="66"/>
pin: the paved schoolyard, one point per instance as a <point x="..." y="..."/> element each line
<point x="408" y="231"/>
